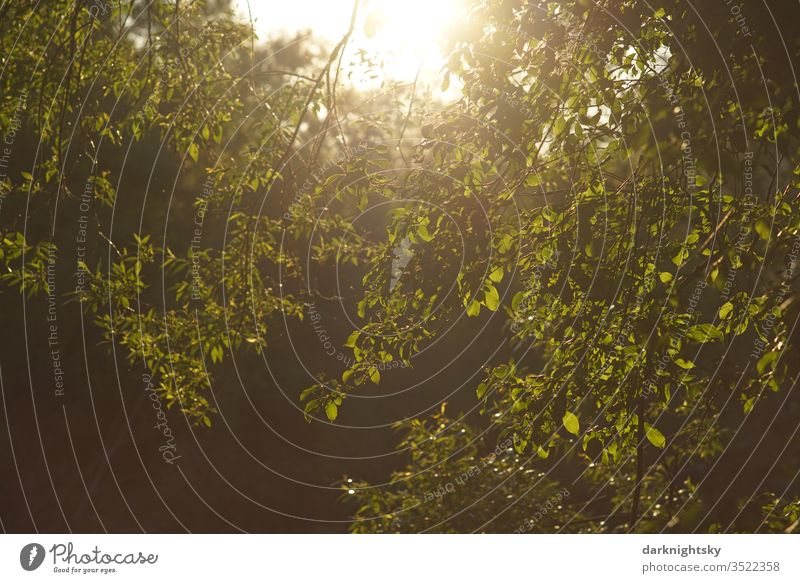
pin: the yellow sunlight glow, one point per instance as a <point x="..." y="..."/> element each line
<point x="402" y="35"/>
<point x="406" y="34"/>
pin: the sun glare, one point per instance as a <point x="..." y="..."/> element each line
<point x="403" y="36"/>
<point x="407" y="34"/>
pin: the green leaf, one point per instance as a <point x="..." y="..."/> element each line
<point x="491" y="298"/>
<point x="762" y="228"/>
<point x="497" y="275"/>
<point x="559" y="126"/>
<point x="704" y="333"/>
<point x="481" y="390"/>
<point x="725" y="310"/>
<point x="311" y="405"/>
<point x="331" y="411"/>
<point x="768" y="360"/>
<point x="375" y="376"/>
<point x="533" y="180"/>
<point x="351" y="340"/>
<point x="423" y="233"/>
<point x="665" y="277"/>
<point x="748" y="405"/>
<point x="680" y="257"/>
<point x="474" y="308"/>
<point x="684" y="364"/>
<point x="654" y="436"/>
<point x="571" y="423"/>
<point x="194" y="151"/>
<point x="612" y="449"/>
<point x="517" y="299"/>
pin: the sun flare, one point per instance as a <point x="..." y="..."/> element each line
<point x="407" y="35"/>
<point x="401" y="36"/>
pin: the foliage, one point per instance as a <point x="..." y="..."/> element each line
<point x="460" y="490"/>
<point x="611" y="195"/>
<point x="643" y="266"/>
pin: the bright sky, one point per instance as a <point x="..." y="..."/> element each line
<point x="403" y="33"/>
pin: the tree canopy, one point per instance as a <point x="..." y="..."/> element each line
<point x="605" y="217"/>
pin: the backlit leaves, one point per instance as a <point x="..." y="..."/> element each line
<point x="571" y="423"/>
<point x="704" y="333"/>
<point x="654" y="436"/>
